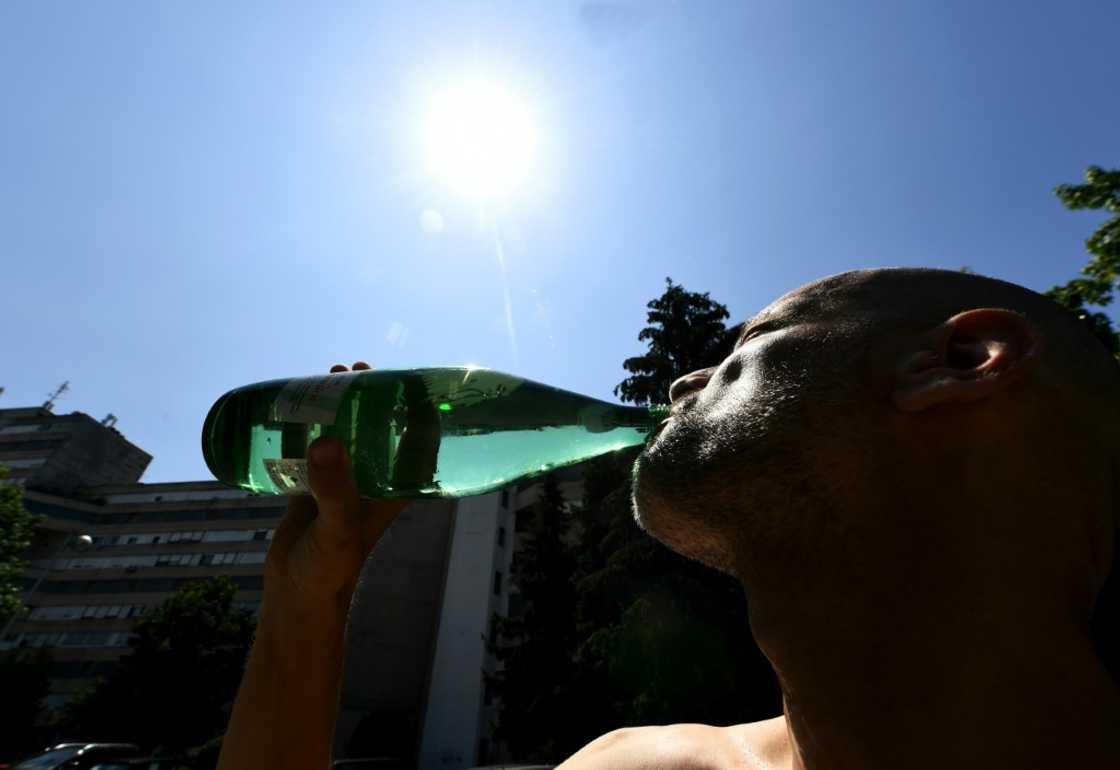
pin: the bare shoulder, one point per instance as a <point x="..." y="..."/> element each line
<point x="765" y="744"/>
<point x="679" y="747"/>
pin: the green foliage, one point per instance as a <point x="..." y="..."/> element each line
<point x="24" y="674"/>
<point x="175" y="688"/>
<point x="1101" y="191"/>
<point x="685" y="333"/>
<point x="1100" y="277"/>
<point x="536" y="646"/>
<point x="17" y="527"/>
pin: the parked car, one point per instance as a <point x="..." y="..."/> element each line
<point x="373" y="763"/>
<point x="145" y="763"/>
<point x="77" y="756"/>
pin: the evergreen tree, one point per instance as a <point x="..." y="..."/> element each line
<point x="535" y="647"/>
<point x="176" y="687"/>
<point x="685" y="333"/>
<point x="661" y="638"/>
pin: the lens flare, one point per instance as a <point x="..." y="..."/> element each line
<point x="479" y="139"/>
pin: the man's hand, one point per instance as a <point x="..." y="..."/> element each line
<point x="324" y="538"/>
<point x="285" y="712"/>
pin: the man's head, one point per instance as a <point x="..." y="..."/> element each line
<point x="895" y="425"/>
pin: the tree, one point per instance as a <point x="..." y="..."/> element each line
<point x="1100" y="277"/>
<point x="17" y="527"/>
<point x="536" y="646"/>
<point x="25" y="674"/>
<point x="176" y="686"/>
<point x="660" y="638"/>
<point x="685" y="333"/>
<point x="570" y="671"/>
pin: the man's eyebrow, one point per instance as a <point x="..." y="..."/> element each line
<point x="755" y="325"/>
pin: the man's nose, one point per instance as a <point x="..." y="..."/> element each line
<point x="690" y="382"/>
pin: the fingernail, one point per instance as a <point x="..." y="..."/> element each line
<point x="325" y="452"/>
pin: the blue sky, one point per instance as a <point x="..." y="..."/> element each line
<point x="196" y="196"/>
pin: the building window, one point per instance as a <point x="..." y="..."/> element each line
<point x="505" y="499"/>
<point x="497" y="584"/>
<point x="501" y="537"/>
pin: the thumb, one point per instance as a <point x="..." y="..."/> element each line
<point x="332" y="484"/>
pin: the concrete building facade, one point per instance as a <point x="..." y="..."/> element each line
<point x="416" y="642"/>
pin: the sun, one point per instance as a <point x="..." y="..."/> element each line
<point x="479" y="139"/>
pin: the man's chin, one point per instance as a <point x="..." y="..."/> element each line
<point x="652" y="500"/>
<point x="643" y="499"/>
<point x="636" y="481"/>
<point x="673" y="522"/>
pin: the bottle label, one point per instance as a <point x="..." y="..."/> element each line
<point x="311" y="399"/>
<point x="289" y="476"/>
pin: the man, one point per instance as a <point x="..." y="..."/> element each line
<point x="913" y="473"/>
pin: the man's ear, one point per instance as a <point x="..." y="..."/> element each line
<point x="973" y="355"/>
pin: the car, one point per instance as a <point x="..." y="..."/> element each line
<point x="77" y="756"/>
<point x="145" y="763"/>
<point x="372" y="763"/>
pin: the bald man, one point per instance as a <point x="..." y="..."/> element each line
<point x="913" y="474"/>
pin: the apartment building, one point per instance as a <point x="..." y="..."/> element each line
<point x="111" y="547"/>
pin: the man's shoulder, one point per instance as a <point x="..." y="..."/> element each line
<point x="681" y="747"/>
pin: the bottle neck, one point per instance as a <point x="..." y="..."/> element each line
<point x="639" y="416"/>
<point x="600" y="417"/>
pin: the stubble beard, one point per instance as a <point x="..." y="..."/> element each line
<point x="734" y="490"/>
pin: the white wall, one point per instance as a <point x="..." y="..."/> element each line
<point x="451" y="722"/>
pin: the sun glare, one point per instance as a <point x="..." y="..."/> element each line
<point x="479" y="139"/>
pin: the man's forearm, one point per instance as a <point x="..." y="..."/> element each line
<point x="285" y="711"/>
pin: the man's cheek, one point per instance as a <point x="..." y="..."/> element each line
<point x="730" y="401"/>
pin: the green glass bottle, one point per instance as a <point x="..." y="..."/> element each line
<point x="446" y="432"/>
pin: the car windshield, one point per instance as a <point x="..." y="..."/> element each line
<point x="48" y="759"/>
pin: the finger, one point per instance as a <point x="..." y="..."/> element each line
<point x="361" y="365"/>
<point x="417" y="457"/>
<point x="332" y="484"/>
<point x="301" y="511"/>
<point x="338" y="368"/>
